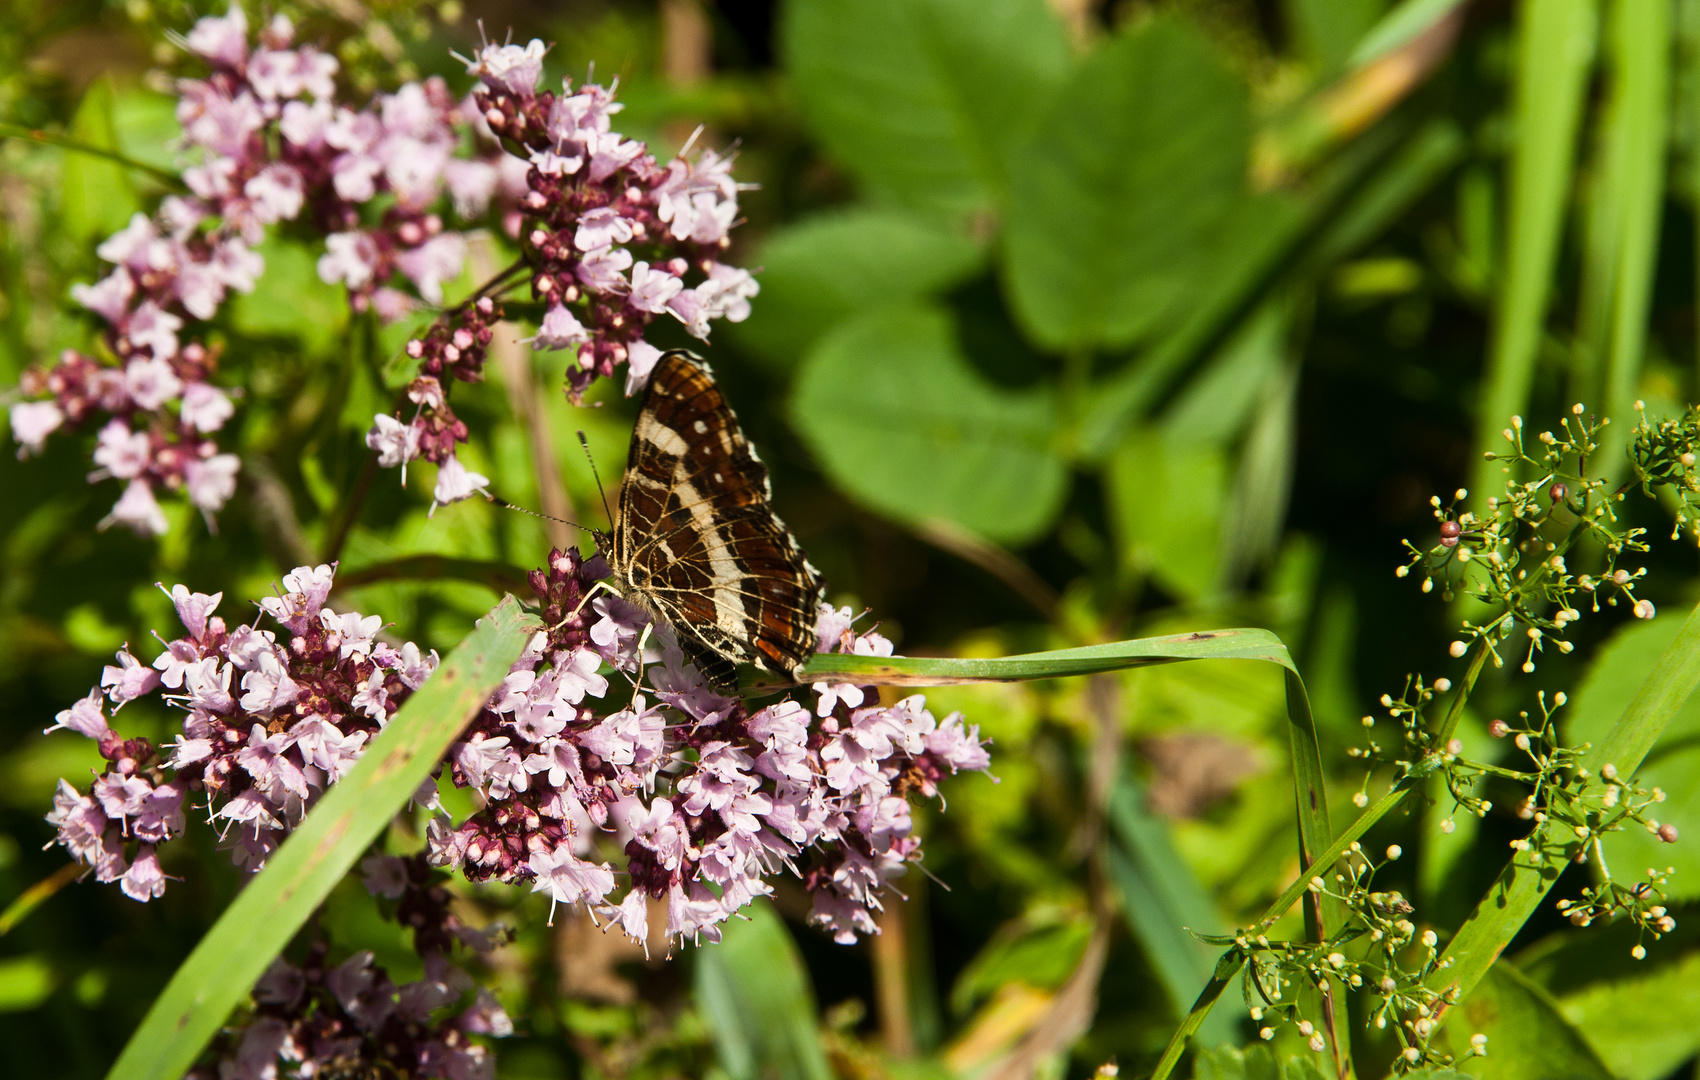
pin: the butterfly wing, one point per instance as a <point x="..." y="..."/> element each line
<point x="697" y="537"/>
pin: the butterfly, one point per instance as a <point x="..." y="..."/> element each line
<point x="696" y="542"/>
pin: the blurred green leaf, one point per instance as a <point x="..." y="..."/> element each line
<point x="1399" y="26"/>
<point x="900" y="421"/>
<point x="816" y="273"/>
<point x="1127" y="186"/>
<point x="1256" y="1062"/>
<point x="275" y="902"/>
<point x="1326" y="31"/>
<point x="1528" y="1036"/>
<point x="1040" y="952"/>
<point x="97" y="197"/>
<point x="1642" y="1016"/>
<point x="755" y="995"/>
<point x="1166" y="497"/>
<point x="25" y="982"/>
<point x="289" y="299"/>
<point x="1164" y="905"/>
<point x="1619" y="668"/>
<point x="1625" y="206"/>
<point x="146" y="127"/>
<point x="922" y="100"/>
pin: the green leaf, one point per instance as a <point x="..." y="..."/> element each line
<point x="1625" y="205"/>
<point x="1326" y="31"/>
<point x="1129" y="183"/>
<point x="1528" y="1036"/>
<point x="820" y="271"/>
<point x="1040" y="952"/>
<point x="1618" y="670"/>
<point x="1525" y="881"/>
<point x="900" y="421"/>
<point x="274" y="904"/>
<point x="146" y="127"/>
<point x="1401" y="26"/>
<point x="1164" y="905"/>
<point x="25" y="982"/>
<point x="290" y="300"/>
<point x="921" y="100"/>
<point x="1166" y="497"/>
<point x="1643" y="1016"/>
<point x="755" y="994"/>
<point x="1555" y="49"/>
<point x="97" y="195"/>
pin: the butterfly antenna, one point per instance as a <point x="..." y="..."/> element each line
<point x="506" y="505"/>
<point x="584" y="442"/>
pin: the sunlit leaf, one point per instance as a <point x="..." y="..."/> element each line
<point x="1126" y="187"/>
<point x="821" y="270"/>
<point x="921" y="99"/>
<point x="901" y="422"/>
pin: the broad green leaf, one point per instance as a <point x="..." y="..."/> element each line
<point x="900" y="421"/>
<point x="754" y="992"/>
<point x="822" y="270"/>
<point x="1166" y="497"/>
<point x="921" y="100"/>
<point x="1643" y="1016"/>
<point x="1555" y="49"/>
<point x="1526" y="879"/>
<point x="1528" y="1036"/>
<point x="1271" y="239"/>
<point x="302" y="872"/>
<point x="1127" y="185"/>
<point x="97" y="197"/>
<point x="1619" y="668"/>
<point x="146" y="127"/>
<point x="289" y="299"/>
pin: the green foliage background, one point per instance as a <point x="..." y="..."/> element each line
<point x="1078" y="322"/>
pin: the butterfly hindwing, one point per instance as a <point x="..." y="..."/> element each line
<point x="697" y="541"/>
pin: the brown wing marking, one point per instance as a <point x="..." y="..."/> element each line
<point x="698" y="537"/>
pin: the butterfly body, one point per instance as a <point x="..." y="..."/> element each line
<point x="696" y="542"/>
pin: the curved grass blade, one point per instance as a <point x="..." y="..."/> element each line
<point x="266" y="914"/>
<point x="1527" y="878"/>
<point x="1243" y="644"/>
<point x="1309" y="784"/>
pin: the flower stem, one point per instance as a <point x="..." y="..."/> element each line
<point x="65" y="142"/>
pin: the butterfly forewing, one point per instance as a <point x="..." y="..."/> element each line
<point x="697" y="540"/>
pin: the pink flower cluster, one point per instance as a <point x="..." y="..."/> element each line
<point x="268" y="144"/>
<point x="351" y="1019"/>
<point x="707" y="798"/>
<point x="612" y="240"/>
<point x="270" y="725"/>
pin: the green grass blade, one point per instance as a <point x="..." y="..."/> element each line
<point x="1643" y="44"/>
<point x="268" y="911"/>
<point x="754" y="993"/>
<point x="1163" y="904"/>
<point x="1245" y="644"/>
<point x="1402" y="25"/>
<point x="1555" y="47"/>
<point x="1526" y="879"/>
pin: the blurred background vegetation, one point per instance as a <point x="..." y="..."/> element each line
<point x="1079" y="321"/>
